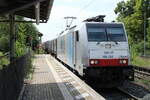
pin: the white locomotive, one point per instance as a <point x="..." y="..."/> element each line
<point x="98" y="51"/>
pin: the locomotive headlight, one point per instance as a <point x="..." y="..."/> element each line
<point x="92" y="61"/>
<point x="96" y="62"/>
<point x="120" y="61"/>
<point x="124" y="61"/>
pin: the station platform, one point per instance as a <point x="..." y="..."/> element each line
<point x="52" y="81"/>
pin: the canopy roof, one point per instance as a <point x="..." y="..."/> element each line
<point x="26" y="8"/>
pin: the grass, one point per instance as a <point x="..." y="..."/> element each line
<point x="144" y="83"/>
<point x="140" y="61"/>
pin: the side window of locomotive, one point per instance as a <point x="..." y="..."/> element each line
<point x="116" y="34"/>
<point x="96" y="34"/>
<point x="77" y="35"/>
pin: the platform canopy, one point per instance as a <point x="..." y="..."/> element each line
<point x="34" y="9"/>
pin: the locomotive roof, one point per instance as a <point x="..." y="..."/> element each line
<point x="104" y="22"/>
<point x="84" y="23"/>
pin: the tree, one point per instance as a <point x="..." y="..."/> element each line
<point x="124" y="9"/>
<point x="32" y="32"/>
<point x="132" y="14"/>
<point x="23" y="30"/>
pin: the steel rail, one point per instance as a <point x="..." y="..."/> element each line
<point x="127" y="93"/>
<point x="138" y="77"/>
<point x="147" y="70"/>
<point x="143" y="73"/>
<point x="141" y="78"/>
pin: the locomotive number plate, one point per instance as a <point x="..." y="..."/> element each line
<point x="108" y="56"/>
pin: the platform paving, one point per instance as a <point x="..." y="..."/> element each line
<point x="52" y="81"/>
<point x="43" y="85"/>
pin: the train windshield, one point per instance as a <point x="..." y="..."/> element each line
<point x="97" y="34"/>
<point x="106" y="33"/>
<point x="116" y="34"/>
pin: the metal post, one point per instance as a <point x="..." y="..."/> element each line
<point x="31" y="44"/>
<point x="145" y="20"/>
<point x="144" y="34"/>
<point x="37" y="13"/>
<point x="67" y="21"/>
<point x="12" y="37"/>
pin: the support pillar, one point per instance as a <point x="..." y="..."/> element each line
<point x="12" y="37"/>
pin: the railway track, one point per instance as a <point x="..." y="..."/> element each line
<point x="116" y="94"/>
<point x="120" y="93"/>
<point x="130" y="95"/>
<point x="142" y="73"/>
<point x="132" y="91"/>
<point x="142" y="69"/>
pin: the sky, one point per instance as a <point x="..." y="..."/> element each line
<point x="82" y="9"/>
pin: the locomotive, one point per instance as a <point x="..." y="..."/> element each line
<point x="97" y="51"/>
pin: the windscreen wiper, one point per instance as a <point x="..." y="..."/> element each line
<point x="98" y="43"/>
<point x="115" y="42"/>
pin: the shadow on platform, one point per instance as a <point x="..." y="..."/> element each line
<point x="48" y="91"/>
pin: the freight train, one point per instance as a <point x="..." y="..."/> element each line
<point x="97" y="51"/>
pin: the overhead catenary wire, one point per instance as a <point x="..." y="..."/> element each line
<point x="78" y="13"/>
<point x="84" y="7"/>
<point x="67" y="18"/>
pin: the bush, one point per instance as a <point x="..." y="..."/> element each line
<point x="3" y="61"/>
<point x="39" y="51"/>
<point x="137" y="49"/>
<point x="4" y="44"/>
<point x="20" y="49"/>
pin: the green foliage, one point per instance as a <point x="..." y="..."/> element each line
<point x="32" y="32"/>
<point x="40" y="51"/>
<point x="132" y="13"/>
<point x="22" y="31"/>
<point x="20" y="41"/>
<point x="137" y="49"/>
<point x="148" y="34"/>
<point x="20" y="49"/>
<point x="124" y="9"/>
<point x="3" y="61"/>
<point x="4" y="47"/>
<point x="4" y="36"/>
<point x="139" y="61"/>
<point x="132" y="17"/>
